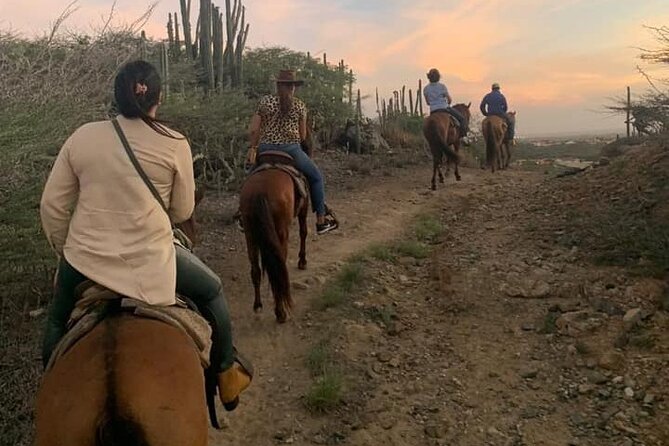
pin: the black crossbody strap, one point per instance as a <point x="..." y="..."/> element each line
<point x="138" y="167"/>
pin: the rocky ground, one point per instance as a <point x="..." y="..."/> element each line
<point x="474" y="315"/>
<point x="490" y="331"/>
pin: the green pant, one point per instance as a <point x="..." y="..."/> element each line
<point x="194" y="281"/>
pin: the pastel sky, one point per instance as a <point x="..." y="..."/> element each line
<point x="558" y="61"/>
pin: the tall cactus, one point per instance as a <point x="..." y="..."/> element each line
<point x="177" y="37"/>
<point x="218" y="47"/>
<point x="170" y="32"/>
<point x="205" y="45"/>
<point x="185" y="19"/>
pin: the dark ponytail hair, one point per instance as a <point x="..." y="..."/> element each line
<point x="286" y="94"/>
<point x="137" y="89"/>
<point x="433" y="75"/>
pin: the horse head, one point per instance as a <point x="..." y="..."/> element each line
<point x="464" y="110"/>
<point x="512" y="116"/>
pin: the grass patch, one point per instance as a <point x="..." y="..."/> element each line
<point x="385" y="315"/>
<point x="548" y="325"/>
<point x="325" y="393"/>
<point x="412" y="248"/>
<point x="383" y="253"/>
<point x="347" y="280"/>
<point x="428" y="228"/>
<point x="319" y="358"/>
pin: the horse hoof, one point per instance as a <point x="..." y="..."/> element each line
<point x="458" y="178"/>
<point x="302" y="265"/>
<point x="257" y="309"/>
<point x="281" y="318"/>
<point x="433" y="187"/>
<point x="441" y="180"/>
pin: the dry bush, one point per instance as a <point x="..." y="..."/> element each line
<point x="66" y="66"/>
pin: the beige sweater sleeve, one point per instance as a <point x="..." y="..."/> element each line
<point x="182" y="201"/>
<point x="58" y="200"/>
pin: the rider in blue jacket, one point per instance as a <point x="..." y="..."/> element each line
<point x="494" y="104"/>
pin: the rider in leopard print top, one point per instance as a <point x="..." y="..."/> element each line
<point x="280" y="124"/>
<point x="278" y="128"/>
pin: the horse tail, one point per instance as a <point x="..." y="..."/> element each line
<point x="490" y="143"/>
<point x="441" y="143"/>
<point x="264" y="233"/>
<point x="115" y="428"/>
<point x="118" y="430"/>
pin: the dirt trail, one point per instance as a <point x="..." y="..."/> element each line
<point x="483" y="350"/>
<point x="378" y="211"/>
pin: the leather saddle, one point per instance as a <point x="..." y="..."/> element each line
<point x="95" y="303"/>
<point x="275" y="159"/>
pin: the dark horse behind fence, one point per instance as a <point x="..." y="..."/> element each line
<point x="497" y="144"/>
<point x="268" y="205"/>
<point x="443" y="137"/>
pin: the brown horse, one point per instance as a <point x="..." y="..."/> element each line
<point x="268" y="205"/>
<point x="441" y="132"/>
<point x="498" y="146"/>
<point x="130" y="381"/>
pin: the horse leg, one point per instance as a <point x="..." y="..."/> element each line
<point x="302" y="219"/>
<point x="456" y="147"/>
<point x="436" y="161"/>
<point x="256" y="273"/>
<point x="281" y="302"/>
<point x="441" y="176"/>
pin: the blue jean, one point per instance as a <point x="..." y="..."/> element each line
<point x="305" y="165"/>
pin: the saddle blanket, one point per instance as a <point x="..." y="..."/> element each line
<point x="95" y="305"/>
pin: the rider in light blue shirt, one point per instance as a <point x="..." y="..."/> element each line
<point x="437" y="97"/>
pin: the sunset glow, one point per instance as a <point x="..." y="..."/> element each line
<point x="558" y="63"/>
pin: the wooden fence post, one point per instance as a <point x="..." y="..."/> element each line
<point x="358" y="127"/>
<point x="350" y="89"/>
<point x="411" y="102"/>
<point x="384" y="114"/>
<point x="177" y="37"/>
<point x="628" y="109"/>
<point x="142" y="46"/>
<point x="165" y="70"/>
<point x="420" y="95"/>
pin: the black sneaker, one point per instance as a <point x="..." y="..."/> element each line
<point x="238" y="220"/>
<point x="329" y="225"/>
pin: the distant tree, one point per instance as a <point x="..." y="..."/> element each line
<point x="650" y="112"/>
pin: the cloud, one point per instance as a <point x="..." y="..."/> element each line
<point x="548" y="55"/>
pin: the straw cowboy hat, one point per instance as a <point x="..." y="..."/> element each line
<point x="288" y="77"/>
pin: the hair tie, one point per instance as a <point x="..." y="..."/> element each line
<point x="141" y="89"/>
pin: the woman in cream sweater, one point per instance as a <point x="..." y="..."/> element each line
<point x="105" y="225"/>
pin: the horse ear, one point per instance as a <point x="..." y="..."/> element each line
<point x="469" y="105"/>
